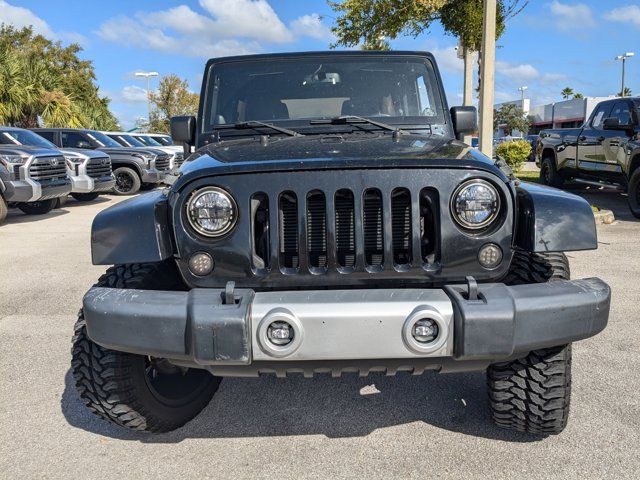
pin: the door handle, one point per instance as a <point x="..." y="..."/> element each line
<point x="601" y="138"/>
<point x="582" y="138"/>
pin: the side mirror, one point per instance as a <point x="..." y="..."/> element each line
<point x="183" y="131"/>
<point x="465" y="120"/>
<point x="612" y="123"/>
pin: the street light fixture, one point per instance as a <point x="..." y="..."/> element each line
<point x="624" y="57"/>
<point x="148" y="76"/>
<point x="521" y="90"/>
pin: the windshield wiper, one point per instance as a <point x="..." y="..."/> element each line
<point x="350" y="119"/>
<point x="254" y="124"/>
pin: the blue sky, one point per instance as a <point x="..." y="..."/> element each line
<point x="551" y="45"/>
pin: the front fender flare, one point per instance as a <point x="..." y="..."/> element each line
<point x="551" y="220"/>
<point x="134" y="231"/>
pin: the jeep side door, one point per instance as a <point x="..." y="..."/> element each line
<point x="589" y="140"/>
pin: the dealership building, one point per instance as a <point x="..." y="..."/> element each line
<point x="565" y="114"/>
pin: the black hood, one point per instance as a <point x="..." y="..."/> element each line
<point x="315" y="152"/>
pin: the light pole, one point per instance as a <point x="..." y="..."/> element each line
<point x="487" y="76"/>
<point x="148" y="76"/>
<point x="521" y="90"/>
<point x="624" y="57"/>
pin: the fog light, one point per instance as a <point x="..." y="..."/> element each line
<point x="201" y="264"/>
<point x="280" y="333"/>
<point x="490" y="255"/>
<point x="425" y="330"/>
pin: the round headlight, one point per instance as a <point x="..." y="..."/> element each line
<point x="212" y="212"/>
<point x="475" y="204"/>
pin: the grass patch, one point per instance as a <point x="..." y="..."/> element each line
<point x="529" y="176"/>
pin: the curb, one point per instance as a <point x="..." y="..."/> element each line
<point x="605" y="217"/>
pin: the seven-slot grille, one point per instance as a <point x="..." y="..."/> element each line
<point x="345" y="230"/>
<point x="178" y="159"/>
<point x="99" y="167"/>
<point x="48" y="168"/>
<point x="162" y="162"/>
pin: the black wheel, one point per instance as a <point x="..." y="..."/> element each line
<point x="61" y="201"/>
<point x="549" y="174"/>
<point x="134" y="391"/>
<point x="38" y="208"/>
<point x="127" y="181"/>
<point x="634" y="193"/>
<point x="4" y="209"/>
<point x="85" y="197"/>
<point x="532" y="394"/>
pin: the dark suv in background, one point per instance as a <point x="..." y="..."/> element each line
<point x="133" y="167"/>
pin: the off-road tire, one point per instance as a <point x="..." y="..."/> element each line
<point x="527" y="267"/>
<point x="549" y="174"/>
<point x="127" y="181"/>
<point x="4" y="209"/>
<point x="38" y="208"/>
<point x="532" y="394"/>
<point x="633" y="192"/>
<point x="115" y="386"/>
<point x="85" y="197"/>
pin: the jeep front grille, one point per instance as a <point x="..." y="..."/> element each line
<point x="343" y="230"/>
<point x="48" y="168"/>
<point x="99" y="167"/>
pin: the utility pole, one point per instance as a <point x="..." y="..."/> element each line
<point x="467" y="55"/>
<point x="487" y="73"/>
<point x="148" y="76"/>
<point x="624" y="57"/>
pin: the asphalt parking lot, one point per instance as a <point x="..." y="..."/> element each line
<point x="376" y="427"/>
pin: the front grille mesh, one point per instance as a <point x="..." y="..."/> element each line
<point x="99" y="167"/>
<point x="345" y="230"/>
<point x="162" y="162"/>
<point x="48" y="168"/>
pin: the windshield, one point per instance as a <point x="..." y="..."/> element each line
<point x="162" y="140"/>
<point x="24" y="137"/>
<point x="393" y="89"/>
<point x="148" y="141"/>
<point x="102" y="140"/>
<point x="133" y="141"/>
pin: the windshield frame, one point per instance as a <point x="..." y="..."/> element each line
<point x="208" y="130"/>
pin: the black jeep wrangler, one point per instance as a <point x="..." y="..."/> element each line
<point x="330" y="222"/>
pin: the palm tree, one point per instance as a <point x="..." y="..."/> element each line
<point x="578" y="95"/>
<point x="627" y="92"/>
<point x="566" y="93"/>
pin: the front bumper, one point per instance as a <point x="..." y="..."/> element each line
<point x="27" y="190"/>
<point x="199" y="328"/>
<point x="152" y="176"/>
<point x="87" y="184"/>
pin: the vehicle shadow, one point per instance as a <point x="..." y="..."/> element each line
<point x="72" y="202"/>
<point x="350" y="406"/>
<point x="606" y="199"/>
<point x="16" y="216"/>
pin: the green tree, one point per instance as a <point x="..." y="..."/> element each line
<point x="172" y="98"/>
<point x="627" y="92"/>
<point x="566" y="92"/>
<point x="44" y="81"/>
<point x="511" y="117"/>
<point x="365" y="22"/>
<point x="578" y="95"/>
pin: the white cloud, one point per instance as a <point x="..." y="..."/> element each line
<point x="312" y="26"/>
<point x="572" y="17"/>
<point x="230" y="27"/>
<point x="520" y="73"/>
<point x="629" y="14"/>
<point x="23" y="17"/>
<point x="134" y="94"/>
<point x="447" y="59"/>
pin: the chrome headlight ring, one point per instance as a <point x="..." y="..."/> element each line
<point x="212" y="212"/>
<point x="475" y="204"/>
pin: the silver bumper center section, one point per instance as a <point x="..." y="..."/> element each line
<point x="217" y="328"/>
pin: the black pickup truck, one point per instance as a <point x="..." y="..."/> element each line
<point x="330" y="222"/>
<point x="605" y="150"/>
